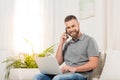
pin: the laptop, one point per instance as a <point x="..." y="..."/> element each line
<point x="48" y="65"/>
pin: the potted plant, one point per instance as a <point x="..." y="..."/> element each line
<point x="24" y="61"/>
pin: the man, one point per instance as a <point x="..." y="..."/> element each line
<point x="80" y="54"/>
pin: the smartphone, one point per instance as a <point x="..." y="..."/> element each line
<point x="67" y="35"/>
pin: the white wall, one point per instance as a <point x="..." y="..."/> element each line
<point x="94" y="26"/>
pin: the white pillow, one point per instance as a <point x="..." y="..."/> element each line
<point x="111" y="70"/>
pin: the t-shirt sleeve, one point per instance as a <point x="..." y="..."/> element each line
<point x="92" y="48"/>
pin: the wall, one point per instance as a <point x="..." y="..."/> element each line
<point x="94" y="26"/>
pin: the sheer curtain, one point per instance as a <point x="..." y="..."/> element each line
<point x="113" y="25"/>
<point x="6" y="20"/>
<point x="31" y="23"/>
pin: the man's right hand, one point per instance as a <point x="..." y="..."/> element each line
<point x="63" y="38"/>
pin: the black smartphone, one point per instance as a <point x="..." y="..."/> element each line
<point x="67" y="35"/>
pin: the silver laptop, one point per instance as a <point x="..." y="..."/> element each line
<point x="48" y="65"/>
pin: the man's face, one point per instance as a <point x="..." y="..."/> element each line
<point x="72" y="28"/>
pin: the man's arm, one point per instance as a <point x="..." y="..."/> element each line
<point x="59" y="54"/>
<point x="90" y="65"/>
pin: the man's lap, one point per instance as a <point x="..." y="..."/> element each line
<point x="66" y="76"/>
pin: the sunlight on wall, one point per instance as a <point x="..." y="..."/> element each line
<point x="29" y="24"/>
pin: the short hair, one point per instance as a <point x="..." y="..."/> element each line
<point x="70" y="17"/>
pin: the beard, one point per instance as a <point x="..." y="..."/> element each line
<point x="74" y="34"/>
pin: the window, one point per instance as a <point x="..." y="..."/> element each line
<point x="28" y="24"/>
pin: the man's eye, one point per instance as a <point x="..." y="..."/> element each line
<point x="68" y="27"/>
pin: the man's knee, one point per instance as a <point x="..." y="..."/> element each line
<point x="58" y="77"/>
<point x="36" y="77"/>
<point x="40" y="77"/>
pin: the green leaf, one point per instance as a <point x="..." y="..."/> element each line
<point x="27" y="61"/>
<point x="47" y="51"/>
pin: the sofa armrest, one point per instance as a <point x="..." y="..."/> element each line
<point x="97" y="72"/>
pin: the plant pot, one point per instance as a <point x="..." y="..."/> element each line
<point x="23" y="73"/>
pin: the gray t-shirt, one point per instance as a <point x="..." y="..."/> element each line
<point x="77" y="52"/>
